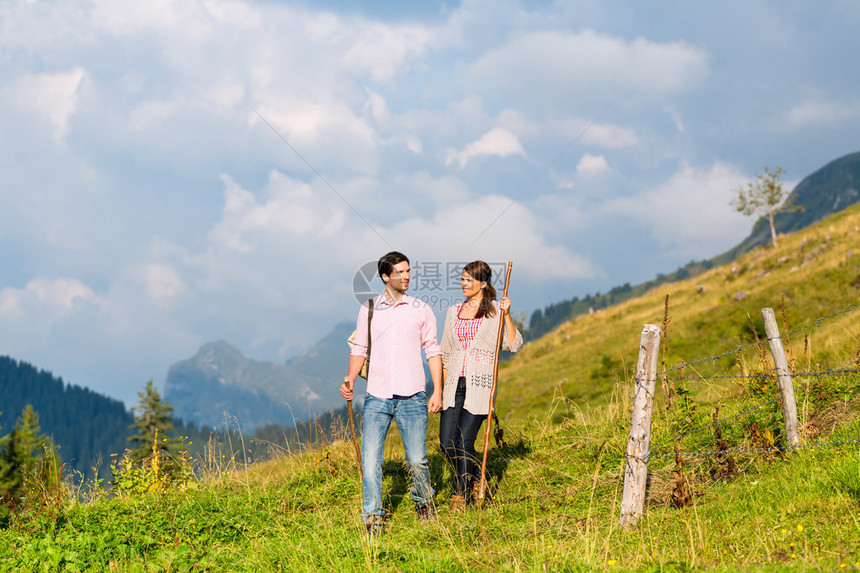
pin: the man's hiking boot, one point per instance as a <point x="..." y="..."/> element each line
<point x="458" y="503"/>
<point x="374" y="526"/>
<point x="425" y="511"/>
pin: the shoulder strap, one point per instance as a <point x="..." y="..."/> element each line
<point x="369" y="318"/>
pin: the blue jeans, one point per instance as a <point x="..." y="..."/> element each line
<point x="410" y="414"/>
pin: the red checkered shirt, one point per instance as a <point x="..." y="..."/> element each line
<point x="466" y="329"/>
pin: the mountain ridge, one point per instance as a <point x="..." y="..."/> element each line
<point x="826" y="191"/>
<point x="219" y="384"/>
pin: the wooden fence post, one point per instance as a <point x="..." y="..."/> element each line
<point x="639" y="441"/>
<point x="789" y="407"/>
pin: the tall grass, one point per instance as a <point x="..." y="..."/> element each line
<point x="557" y="508"/>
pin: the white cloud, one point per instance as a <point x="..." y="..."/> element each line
<point x="610" y="136"/>
<point x="376" y="106"/>
<point x="45" y="297"/>
<point x="54" y="96"/>
<point x="123" y="19"/>
<point x="592" y="164"/>
<point x="589" y="132"/>
<point x="676" y="119"/>
<point x="150" y="113"/>
<point x="554" y="67"/>
<point x="498" y="230"/>
<point x="497" y="141"/>
<point x="227" y="95"/>
<point x="289" y="208"/>
<point x="817" y="114"/>
<point x="381" y="51"/>
<point x="234" y="14"/>
<point x="161" y="282"/>
<point x="689" y="214"/>
<point x="301" y="120"/>
<point x="327" y="132"/>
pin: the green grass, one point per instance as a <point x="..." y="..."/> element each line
<point x="565" y="408"/>
<point x="557" y="508"/>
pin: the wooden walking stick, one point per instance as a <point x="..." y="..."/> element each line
<point x="482" y="485"/>
<point x="365" y="369"/>
<point x="352" y="429"/>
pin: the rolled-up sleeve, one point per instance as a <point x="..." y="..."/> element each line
<point x="428" y="335"/>
<point x="508" y="347"/>
<point x="359" y="343"/>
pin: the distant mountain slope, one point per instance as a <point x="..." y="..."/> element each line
<point x="219" y="381"/>
<point x="219" y="384"/>
<point x="87" y="426"/>
<point x="326" y="361"/>
<point x="829" y="190"/>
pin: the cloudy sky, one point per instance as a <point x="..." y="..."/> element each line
<point x="174" y="172"/>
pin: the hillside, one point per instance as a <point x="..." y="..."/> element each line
<point x="821" y="194"/>
<point x="817" y="270"/>
<point x="86" y="425"/>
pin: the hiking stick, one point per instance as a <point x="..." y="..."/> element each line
<point x="352" y="429"/>
<point x="482" y="485"/>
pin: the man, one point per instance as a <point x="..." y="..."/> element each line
<point x="400" y="327"/>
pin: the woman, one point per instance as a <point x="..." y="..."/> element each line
<point x="468" y="357"/>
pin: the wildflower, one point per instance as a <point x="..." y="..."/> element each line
<point x="784" y="531"/>
<point x="799" y="528"/>
<point x="611" y="562"/>
<point x="794" y="555"/>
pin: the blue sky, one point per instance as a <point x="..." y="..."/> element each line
<point x="179" y="172"/>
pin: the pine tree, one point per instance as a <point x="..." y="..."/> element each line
<point x="19" y="451"/>
<point x="153" y="421"/>
<point x="4" y="465"/>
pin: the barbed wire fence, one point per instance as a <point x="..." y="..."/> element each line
<point x="846" y="369"/>
<point x="639" y="450"/>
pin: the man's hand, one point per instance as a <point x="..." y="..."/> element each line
<point x="434" y="404"/>
<point x="346" y="391"/>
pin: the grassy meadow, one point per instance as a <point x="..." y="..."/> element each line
<point x="564" y="404"/>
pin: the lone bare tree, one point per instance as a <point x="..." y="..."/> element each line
<point x="765" y="197"/>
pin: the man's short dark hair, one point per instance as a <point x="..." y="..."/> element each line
<point x="385" y="266"/>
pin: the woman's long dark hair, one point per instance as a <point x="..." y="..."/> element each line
<point x="481" y="272"/>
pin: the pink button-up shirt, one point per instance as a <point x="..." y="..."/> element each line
<point x="399" y="332"/>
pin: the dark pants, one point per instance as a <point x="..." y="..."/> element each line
<point x="458" y="429"/>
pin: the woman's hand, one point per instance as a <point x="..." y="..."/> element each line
<point x="510" y="327"/>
